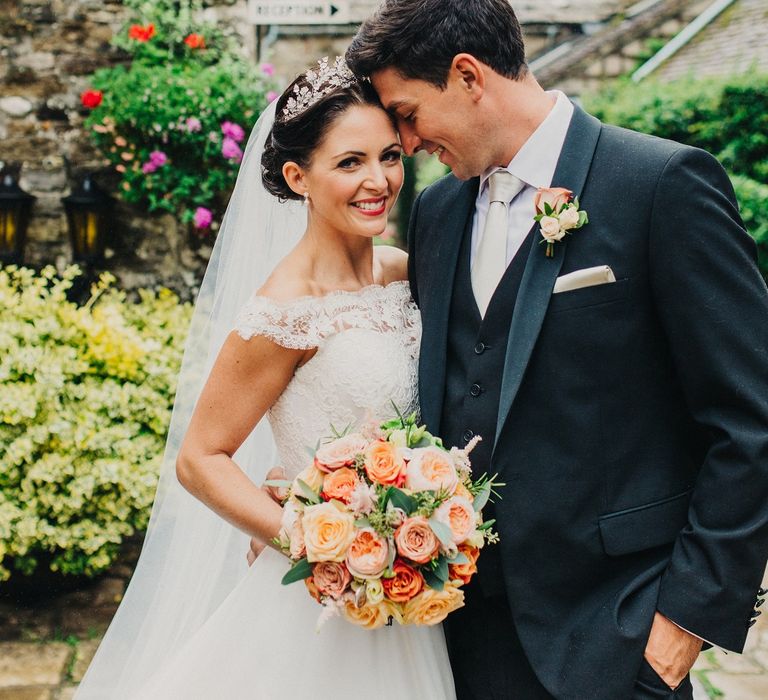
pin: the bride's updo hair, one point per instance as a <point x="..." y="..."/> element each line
<point x="297" y="132"/>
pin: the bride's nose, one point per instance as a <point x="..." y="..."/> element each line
<point x="376" y="179"/>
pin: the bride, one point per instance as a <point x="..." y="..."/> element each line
<point x="302" y="320"/>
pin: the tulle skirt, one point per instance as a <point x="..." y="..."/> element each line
<point x="262" y="644"/>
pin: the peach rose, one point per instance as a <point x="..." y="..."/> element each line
<point x="340" y="484"/>
<point x="431" y="469"/>
<point x="331" y="578"/>
<point x="371" y="616"/>
<point x="328" y="531"/>
<point x="465" y="571"/>
<point x="569" y="218"/>
<point x="368" y="554"/>
<point x="462" y="490"/>
<point x="384" y="464"/>
<point x="415" y="540"/>
<point x="459" y="515"/>
<point x="340" y="453"/>
<point x="405" y="584"/>
<point x="554" y="196"/>
<point x="311" y="476"/>
<point x="431" y="607"/>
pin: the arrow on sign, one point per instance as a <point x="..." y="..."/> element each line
<point x="334" y="10"/>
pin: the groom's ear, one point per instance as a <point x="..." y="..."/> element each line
<point x="470" y="74"/>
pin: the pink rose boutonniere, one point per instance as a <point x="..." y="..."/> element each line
<point x="558" y="213"/>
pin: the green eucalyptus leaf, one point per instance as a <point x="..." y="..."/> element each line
<point x="432" y="580"/>
<point x="402" y="500"/>
<point x="298" y="572"/>
<point x="482" y="496"/>
<point x="442" y="532"/>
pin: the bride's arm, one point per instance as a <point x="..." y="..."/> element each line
<point x="247" y="378"/>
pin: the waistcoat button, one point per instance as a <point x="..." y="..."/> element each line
<point x="480" y="348"/>
<point x="467" y="435"/>
<point x="475" y="390"/>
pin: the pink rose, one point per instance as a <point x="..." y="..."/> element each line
<point x="416" y="541"/>
<point x="368" y="554"/>
<point x="556" y="197"/>
<point x="459" y="515"/>
<point x="431" y="469"/>
<point x="342" y="452"/>
<point x="331" y="578"/>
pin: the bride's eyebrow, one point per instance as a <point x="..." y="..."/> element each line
<point x="392" y="145"/>
<point x="346" y="154"/>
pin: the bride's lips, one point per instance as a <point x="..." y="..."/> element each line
<point x="371" y="207"/>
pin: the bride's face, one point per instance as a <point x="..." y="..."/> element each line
<point x="356" y="173"/>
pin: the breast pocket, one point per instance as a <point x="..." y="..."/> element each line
<point x="589" y="296"/>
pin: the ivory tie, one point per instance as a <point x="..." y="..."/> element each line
<point x="491" y="255"/>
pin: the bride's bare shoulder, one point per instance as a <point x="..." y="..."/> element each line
<point x="286" y="283"/>
<point x="392" y="263"/>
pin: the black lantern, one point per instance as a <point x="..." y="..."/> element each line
<point x="15" y="205"/>
<point x="88" y="214"/>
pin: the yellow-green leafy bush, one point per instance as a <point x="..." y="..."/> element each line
<point x="85" y="400"/>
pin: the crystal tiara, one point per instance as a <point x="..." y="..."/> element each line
<point x="321" y="82"/>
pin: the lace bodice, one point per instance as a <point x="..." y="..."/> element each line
<point x="367" y="352"/>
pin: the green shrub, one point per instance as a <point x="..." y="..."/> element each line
<point x="85" y="400"/>
<point x="726" y="116"/>
<point x="173" y="123"/>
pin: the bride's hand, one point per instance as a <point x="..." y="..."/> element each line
<point x="256" y="547"/>
<point x="277" y="493"/>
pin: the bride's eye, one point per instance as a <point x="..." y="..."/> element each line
<point x="391" y="156"/>
<point x="347" y="163"/>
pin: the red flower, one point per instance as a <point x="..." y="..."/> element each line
<point x="91" y="98"/>
<point x="195" y="41"/>
<point x="137" y="32"/>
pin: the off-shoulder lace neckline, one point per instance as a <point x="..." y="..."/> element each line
<point x="336" y="293"/>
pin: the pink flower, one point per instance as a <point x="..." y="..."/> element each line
<point x="331" y="578"/>
<point x="193" y="124"/>
<point x="158" y="158"/>
<point x="203" y="217"/>
<point x="416" y="541"/>
<point x="148" y="167"/>
<point x="342" y="452"/>
<point x="431" y="469"/>
<point x="268" y="69"/>
<point x="272" y="96"/>
<point x="459" y="515"/>
<point x="556" y="197"/>
<point x="230" y="150"/>
<point x="233" y="131"/>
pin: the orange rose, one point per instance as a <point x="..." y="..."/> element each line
<point x="340" y="484"/>
<point x="328" y="531"/>
<point x="431" y="469"/>
<point x="404" y="585"/>
<point x="465" y="571"/>
<point x="415" y="540"/>
<point x="431" y="607"/>
<point x="312" y="588"/>
<point x="459" y="515"/>
<point x="331" y="578"/>
<point x="384" y="464"/>
<point x="556" y="197"/>
<point x="340" y="453"/>
<point x="371" y="616"/>
<point x="368" y="554"/>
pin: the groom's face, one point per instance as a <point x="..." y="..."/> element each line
<point x="434" y="120"/>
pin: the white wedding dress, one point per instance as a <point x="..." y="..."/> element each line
<point x="262" y="643"/>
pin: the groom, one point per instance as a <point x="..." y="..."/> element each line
<point x="620" y="385"/>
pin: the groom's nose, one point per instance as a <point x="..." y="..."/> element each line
<point x="409" y="138"/>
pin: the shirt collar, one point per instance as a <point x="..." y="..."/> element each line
<point x="536" y="161"/>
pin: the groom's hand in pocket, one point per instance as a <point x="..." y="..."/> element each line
<point x="277" y="493"/>
<point x="671" y="651"/>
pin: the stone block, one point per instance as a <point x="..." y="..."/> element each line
<point x="83" y="656"/>
<point x="739" y="686"/>
<point x="31" y="664"/>
<point x="68" y="693"/>
<point x="15" y="106"/>
<point x="47" y="177"/>
<point x="39" y="61"/>
<point x="26" y="694"/>
<point x="43" y="229"/>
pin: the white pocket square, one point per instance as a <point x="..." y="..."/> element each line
<point x="589" y="277"/>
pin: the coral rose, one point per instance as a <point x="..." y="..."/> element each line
<point x="90" y="99"/>
<point x="331" y="578"/>
<point x="431" y="469"/>
<point x="432" y="607"/>
<point x="368" y="554"/>
<point x="340" y="484"/>
<point x="415" y="540"/>
<point x="465" y="571"/>
<point x="384" y="464"/>
<point x="312" y="588"/>
<point x="404" y="585"/>
<point x="340" y="453"/>
<point x="328" y="531"/>
<point x="141" y="33"/>
<point x="195" y="41"/>
<point x="556" y="197"/>
<point x="370" y="616"/>
<point x="459" y="515"/>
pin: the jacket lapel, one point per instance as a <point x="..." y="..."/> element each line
<point x="448" y="230"/>
<point x="540" y="271"/>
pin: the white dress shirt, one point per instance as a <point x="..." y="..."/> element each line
<point x="535" y="165"/>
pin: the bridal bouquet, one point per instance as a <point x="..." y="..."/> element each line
<point x="386" y="524"/>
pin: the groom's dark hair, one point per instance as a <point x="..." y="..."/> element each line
<point x="419" y="38"/>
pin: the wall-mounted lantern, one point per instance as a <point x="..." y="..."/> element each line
<point x="88" y="215"/>
<point x="15" y="205"/>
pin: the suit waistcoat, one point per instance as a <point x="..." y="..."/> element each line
<point x="474" y="366"/>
